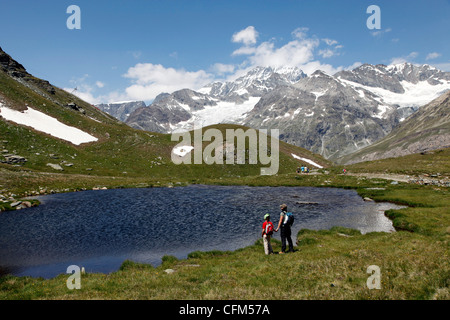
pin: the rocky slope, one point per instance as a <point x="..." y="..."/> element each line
<point x="425" y="130"/>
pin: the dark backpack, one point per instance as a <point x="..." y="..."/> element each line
<point x="290" y="219"/>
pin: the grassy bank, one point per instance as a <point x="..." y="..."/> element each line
<point x="328" y="264"/>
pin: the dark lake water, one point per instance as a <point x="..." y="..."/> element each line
<point x="100" y="229"/>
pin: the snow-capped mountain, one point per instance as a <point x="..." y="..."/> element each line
<point x="333" y="115"/>
<point x="254" y="83"/>
<point x="121" y="110"/>
<point x="406" y="85"/>
<point x="323" y="114"/>
<point x="218" y="102"/>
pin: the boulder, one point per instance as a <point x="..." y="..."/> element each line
<point x="169" y="271"/>
<point x="15" y="204"/>
<point x="14" y="159"/>
<point x="26" y="204"/>
<point x="55" y="166"/>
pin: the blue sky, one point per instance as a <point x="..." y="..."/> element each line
<point x="133" y="50"/>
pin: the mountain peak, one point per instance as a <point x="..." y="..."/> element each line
<point x="319" y="73"/>
<point x="289" y="73"/>
<point x="11" y="66"/>
<point x="400" y="66"/>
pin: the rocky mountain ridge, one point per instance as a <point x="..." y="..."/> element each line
<point x="333" y="115"/>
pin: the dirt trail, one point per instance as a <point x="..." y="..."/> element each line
<point x="386" y="176"/>
<point x="425" y="179"/>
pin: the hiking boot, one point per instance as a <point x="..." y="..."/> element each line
<point x="281" y="252"/>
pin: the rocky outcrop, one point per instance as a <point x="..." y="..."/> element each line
<point x="14" y="159"/>
<point x="55" y="166"/>
<point x="16" y="70"/>
<point x="74" y="106"/>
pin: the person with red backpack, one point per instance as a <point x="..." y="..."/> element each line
<point x="267" y="231"/>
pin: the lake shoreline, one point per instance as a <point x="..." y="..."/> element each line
<point x="415" y="249"/>
<point x="299" y="205"/>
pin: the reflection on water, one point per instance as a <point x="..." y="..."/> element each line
<point x="100" y="229"/>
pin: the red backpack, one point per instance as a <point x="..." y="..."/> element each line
<point x="269" y="228"/>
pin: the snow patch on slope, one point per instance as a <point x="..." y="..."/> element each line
<point x="415" y="94"/>
<point x="307" y="160"/>
<point x="44" y="123"/>
<point x="181" y="151"/>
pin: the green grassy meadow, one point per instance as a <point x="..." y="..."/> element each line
<point x="327" y="264"/>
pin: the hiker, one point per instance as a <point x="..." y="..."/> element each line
<point x="267" y="231"/>
<point x="285" y="230"/>
<point x="298" y="169"/>
<point x="303" y="168"/>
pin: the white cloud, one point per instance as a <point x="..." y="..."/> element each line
<point x="87" y="93"/>
<point x="221" y="69"/>
<point x="330" y="42"/>
<point x="300" y="33"/>
<point x="442" y="66"/>
<point x="312" y="66"/>
<point x="294" y="53"/>
<point x="84" y="92"/>
<point x="85" y="96"/>
<point x="246" y="50"/>
<point x="409" y="58"/>
<point x="246" y="36"/>
<point x="82" y="89"/>
<point x="136" y="54"/>
<point x="299" y="52"/>
<point x="379" y="33"/>
<point x="398" y="60"/>
<point x="326" y="53"/>
<point x="332" y="50"/>
<point x="433" y="55"/>
<point x="150" y="80"/>
<point x="354" y="66"/>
